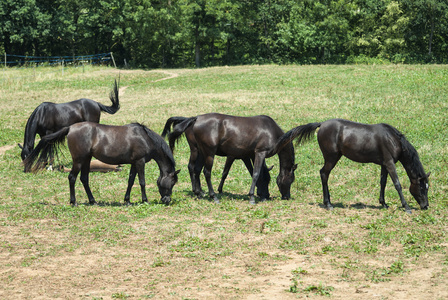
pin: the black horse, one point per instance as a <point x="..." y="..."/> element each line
<point x="49" y="117"/>
<point x="381" y="144"/>
<point x="237" y="137"/>
<point x="262" y="182"/>
<point x="132" y="144"/>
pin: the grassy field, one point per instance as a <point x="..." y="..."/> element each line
<point x="195" y="249"/>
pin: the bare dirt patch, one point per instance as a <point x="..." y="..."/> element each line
<point x="3" y="149"/>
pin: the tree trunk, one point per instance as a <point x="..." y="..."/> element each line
<point x="197" y="48"/>
<point x="431" y="36"/>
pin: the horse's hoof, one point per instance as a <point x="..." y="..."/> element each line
<point x="127" y="203"/>
<point x="73" y="204"/>
<point x="252" y="201"/>
<point x="408" y="211"/>
<point x="93" y="203"/>
<point x="199" y="195"/>
<point x="329" y="207"/>
<point x="216" y="201"/>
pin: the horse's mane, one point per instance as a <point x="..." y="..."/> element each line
<point x="159" y="142"/>
<point x="31" y="124"/>
<point x="409" y="153"/>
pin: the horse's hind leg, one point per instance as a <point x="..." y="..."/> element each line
<point x="383" y="182"/>
<point x="140" y="165"/>
<point x="324" y="174"/>
<point x="195" y="166"/>
<point x="83" y="166"/>
<point x="208" y="177"/>
<point x="225" y="172"/>
<point x="85" y="170"/>
<point x="71" y="181"/>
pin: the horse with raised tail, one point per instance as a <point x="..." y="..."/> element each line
<point x="50" y="117"/>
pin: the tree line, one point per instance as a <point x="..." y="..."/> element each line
<point x="187" y="33"/>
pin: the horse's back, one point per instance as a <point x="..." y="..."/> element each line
<point x="238" y="122"/>
<point x="55" y="116"/>
<point x="108" y="143"/>
<point x="235" y="135"/>
<point x="358" y="141"/>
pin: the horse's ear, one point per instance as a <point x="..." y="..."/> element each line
<point x="294" y="167"/>
<point x="20" y="146"/>
<point x="177" y="172"/>
<point x="426" y="176"/>
<point x="269" y="169"/>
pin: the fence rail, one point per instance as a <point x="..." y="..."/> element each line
<point x="12" y="63"/>
<point x="23" y="60"/>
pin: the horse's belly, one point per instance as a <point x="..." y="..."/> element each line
<point x="363" y="157"/>
<point x="235" y="151"/>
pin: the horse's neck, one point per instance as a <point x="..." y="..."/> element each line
<point x="163" y="161"/>
<point x="286" y="157"/>
<point x="411" y="163"/>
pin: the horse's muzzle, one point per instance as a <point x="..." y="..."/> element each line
<point x="166" y="200"/>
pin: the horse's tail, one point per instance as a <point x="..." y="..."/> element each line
<point x="173" y="121"/>
<point x="114" y="98"/>
<point x="179" y="129"/>
<point x="302" y="133"/>
<point x="46" y="149"/>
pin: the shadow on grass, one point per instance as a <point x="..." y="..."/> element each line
<point x="226" y="196"/>
<point x="359" y="206"/>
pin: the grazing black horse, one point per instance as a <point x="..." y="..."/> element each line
<point x="132" y="144"/>
<point x="381" y="144"/>
<point x="263" y="180"/>
<point x="50" y="117"/>
<point x="237" y="137"/>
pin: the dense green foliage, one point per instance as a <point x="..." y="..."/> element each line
<point x="185" y="33"/>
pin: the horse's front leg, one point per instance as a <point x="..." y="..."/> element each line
<point x="383" y="181"/>
<point x="393" y="175"/>
<point x="258" y="163"/>
<point x="85" y="170"/>
<point x="131" y="180"/>
<point x="208" y="177"/>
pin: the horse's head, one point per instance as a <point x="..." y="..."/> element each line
<point x="25" y="151"/>
<point x="419" y="189"/>
<point x="284" y="181"/>
<point x="165" y="184"/>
